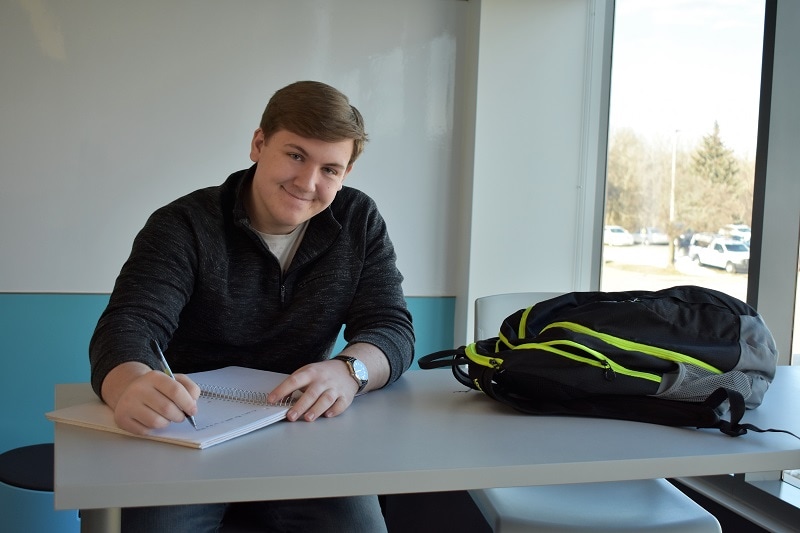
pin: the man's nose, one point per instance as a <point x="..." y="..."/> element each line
<point x="306" y="178"/>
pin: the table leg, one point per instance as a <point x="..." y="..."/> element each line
<point x="100" y="520"/>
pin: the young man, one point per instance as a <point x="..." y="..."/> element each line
<point x="261" y="271"/>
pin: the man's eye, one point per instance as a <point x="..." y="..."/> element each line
<point x="331" y="171"/>
<point x="296" y="157"/>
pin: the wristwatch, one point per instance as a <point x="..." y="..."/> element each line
<point x="357" y="369"/>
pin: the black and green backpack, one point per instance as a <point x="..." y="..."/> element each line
<point x="683" y="356"/>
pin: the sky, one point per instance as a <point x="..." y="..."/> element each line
<point x="680" y="65"/>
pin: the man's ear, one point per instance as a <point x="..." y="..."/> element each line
<point x="256" y="145"/>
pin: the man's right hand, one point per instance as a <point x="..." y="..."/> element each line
<point x="144" y="399"/>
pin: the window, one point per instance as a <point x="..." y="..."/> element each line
<point x="683" y="127"/>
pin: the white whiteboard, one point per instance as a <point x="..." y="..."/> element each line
<point x="110" y="109"/>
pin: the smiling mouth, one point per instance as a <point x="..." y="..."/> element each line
<point x="298" y="198"/>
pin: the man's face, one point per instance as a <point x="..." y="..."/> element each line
<point x="295" y="179"/>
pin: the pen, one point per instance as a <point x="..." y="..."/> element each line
<point x="168" y="371"/>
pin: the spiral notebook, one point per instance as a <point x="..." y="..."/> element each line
<point x="233" y="402"/>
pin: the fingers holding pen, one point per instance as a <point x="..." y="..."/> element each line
<point x="191" y="387"/>
<point x="154" y="400"/>
<point x="174" y="399"/>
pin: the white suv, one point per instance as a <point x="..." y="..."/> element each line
<point x="732" y="255"/>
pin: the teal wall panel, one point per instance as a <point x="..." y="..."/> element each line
<point x="45" y="339"/>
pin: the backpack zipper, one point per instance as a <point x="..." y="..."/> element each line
<point x="483" y="360"/>
<point x="631" y="346"/>
<point x="609" y="367"/>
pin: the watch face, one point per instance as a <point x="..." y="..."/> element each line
<point x="360" y="370"/>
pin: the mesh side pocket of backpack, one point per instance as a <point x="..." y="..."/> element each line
<point x="694" y="384"/>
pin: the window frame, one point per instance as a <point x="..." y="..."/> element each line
<point x="776" y="190"/>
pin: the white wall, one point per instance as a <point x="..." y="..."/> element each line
<point x="112" y="108"/>
<point x="486" y="118"/>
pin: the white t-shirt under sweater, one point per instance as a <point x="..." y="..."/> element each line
<point x="284" y="246"/>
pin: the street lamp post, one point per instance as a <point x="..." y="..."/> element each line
<point x="672" y="229"/>
<point x="672" y="181"/>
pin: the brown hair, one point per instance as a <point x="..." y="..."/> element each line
<point x="315" y="110"/>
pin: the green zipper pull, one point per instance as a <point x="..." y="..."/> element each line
<point x="608" y="372"/>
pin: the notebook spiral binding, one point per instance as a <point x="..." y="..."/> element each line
<point x="218" y="392"/>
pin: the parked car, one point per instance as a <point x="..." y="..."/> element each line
<point x="650" y="236"/>
<point x="698" y="241"/>
<point x="739" y="232"/>
<point x="617" y="236"/>
<point x="730" y="254"/>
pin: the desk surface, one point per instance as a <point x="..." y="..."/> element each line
<point x="424" y="433"/>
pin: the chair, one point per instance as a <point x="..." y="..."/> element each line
<point x="650" y="505"/>
<point x="26" y="493"/>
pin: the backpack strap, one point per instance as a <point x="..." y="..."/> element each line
<point x="635" y="408"/>
<point x="734" y="427"/>
<point x="455" y="358"/>
<point x="443" y="358"/>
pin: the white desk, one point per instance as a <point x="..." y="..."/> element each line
<point x="425" y="433"/>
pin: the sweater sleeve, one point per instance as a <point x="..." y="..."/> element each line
<point x="379" y="314"/>
<point x="152" y="288"/>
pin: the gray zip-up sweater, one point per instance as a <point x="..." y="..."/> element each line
<point x="201" y="282"/>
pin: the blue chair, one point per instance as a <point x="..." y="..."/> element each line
<point x="26" y="493"/>
<point x="642" y="506"/>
